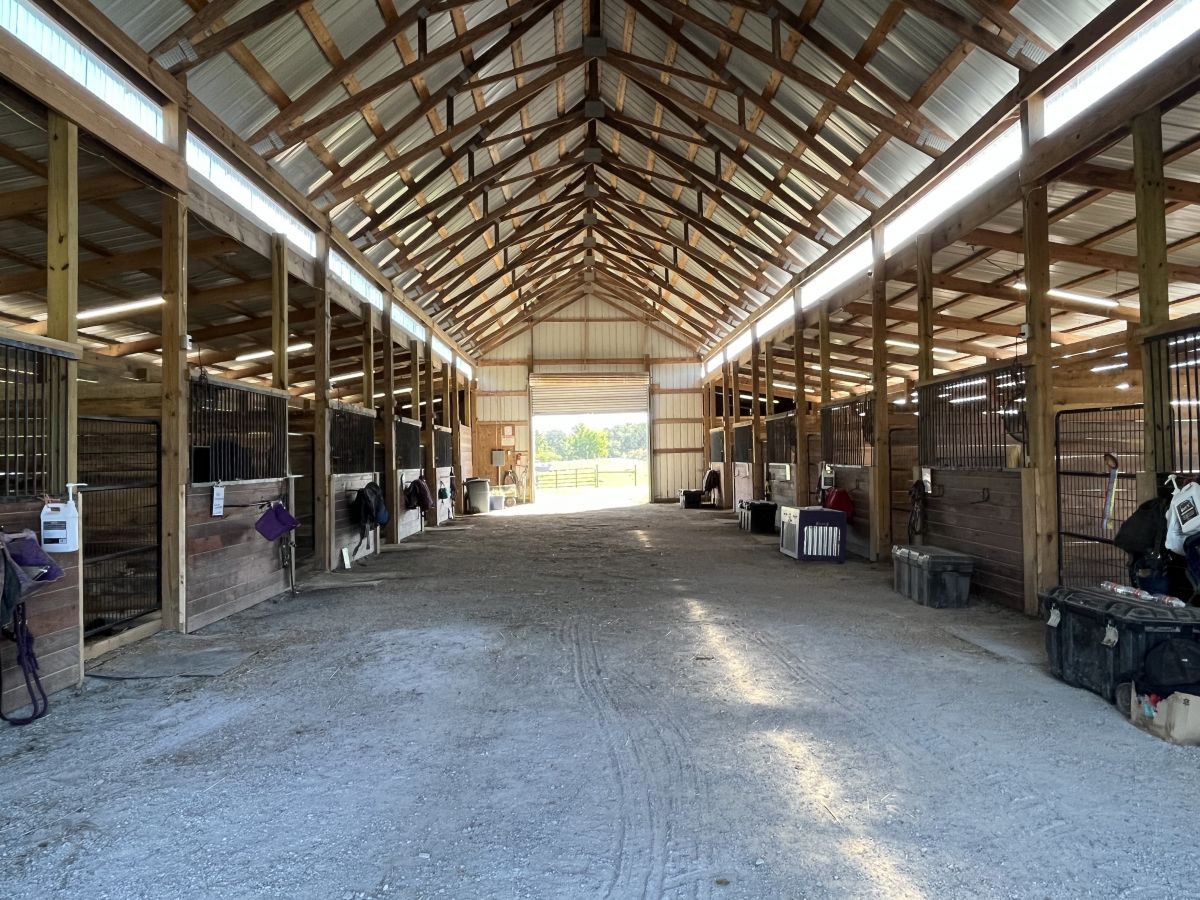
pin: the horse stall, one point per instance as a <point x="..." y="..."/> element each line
<point x="846" y="439"/>
<point x="716" y="462"/>
<point x="779" y="457"/>
<point x="743" y="462"/>
<point x="33" y="462"/>
<point x="409" y="466"/>
<point x="238" y="468"/>
<point x="443" y="462"/>
<point x="971" y="435"/>
<point x="351" y="465"/>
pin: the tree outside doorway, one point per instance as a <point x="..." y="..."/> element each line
<point x="592" y="460"/>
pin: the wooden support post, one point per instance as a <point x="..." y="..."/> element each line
<point x="881" y="456"/>
<point x="801" y="476"/>
<point x="323" y="499"/>
<point x="735" y="397"/>
<point x="825" y="345"/>
<point x="391" y="478"/>
<point x="447" y="382"/>
<point x="368" y="358"/>
<point x="728" y="407"/>
<point x="757" y="474"/>
<point x="431" y="515"/>
<point x="769" y="368"/>
<point x="706" y="411"/>
<point x="459" y="494"/>
<point x="924" y="307"/>
<point x="280" y="335"/>
<point x="1150" y="203"/>
<point x="62" y="304"/>
<point x="62" y="230"/>
<point x="1041" y="556"/>
<point x="414" y="379"/>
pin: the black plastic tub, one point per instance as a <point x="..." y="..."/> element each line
<point x="1097" y="640"/>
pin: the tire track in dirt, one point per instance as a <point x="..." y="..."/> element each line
<point x="926" y="759"/>
<point x="647" y="748"/>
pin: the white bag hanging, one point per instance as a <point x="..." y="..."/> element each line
<point x="1183" y="515"/>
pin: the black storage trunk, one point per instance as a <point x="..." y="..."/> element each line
<point x="690" y="499"/>
<point x="757" y="516"/>
<point x="1098" y="640"/>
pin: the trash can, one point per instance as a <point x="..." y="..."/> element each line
<point x="1097" y="640"/>
<point x="478" y="491"/>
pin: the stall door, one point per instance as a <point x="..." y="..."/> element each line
<point x="119" y="463"/>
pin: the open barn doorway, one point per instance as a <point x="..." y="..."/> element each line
<point x="591" y="441"/>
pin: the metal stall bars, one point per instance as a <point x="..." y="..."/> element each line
<point x="1174" y="392"/>
<point x="970" y="422"/>
<point x="1099" y="454"/>
<point x="237" y="433"/>
<point x="847" y="430"/>
<point x="33" y="410"/>
<point x="120" y="464"/>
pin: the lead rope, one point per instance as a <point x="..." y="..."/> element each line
<point x="26" y="659"/>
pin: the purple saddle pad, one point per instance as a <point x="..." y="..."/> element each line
<point x="275" y="522"/>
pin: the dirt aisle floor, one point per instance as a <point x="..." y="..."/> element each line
<point x="623" y="704"/>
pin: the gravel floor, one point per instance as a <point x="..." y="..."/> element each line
<point x="629" y="703"/>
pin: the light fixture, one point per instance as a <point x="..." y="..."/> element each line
<point x="263" y="354"/>
<point x="1106" y="302"/>
<point x="345" y="376"/>
<point x="116" y="308"/>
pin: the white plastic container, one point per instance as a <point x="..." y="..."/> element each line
<point x="60" y="524"/>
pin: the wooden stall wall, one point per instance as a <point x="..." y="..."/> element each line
<point x="300" y="461"/>
<point x="411" y="521"/>
<point x="468" y="462"/>
<point x="347" y="535"/>
<point x="979" y="513"/>
<point x="904" y="461"/>
<point x="230" y="566"/>
<point x="857" y="480"/>
<point x="53" y="618"/>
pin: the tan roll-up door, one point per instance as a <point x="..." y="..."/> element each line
<point x="557" y="394"/>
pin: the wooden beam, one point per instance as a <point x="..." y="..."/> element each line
<point x="431" y="515"/>
<point x="1039" y="403"/>
<point x="825" y="349"/>
<point x="414" y="378"/>
<point x="769" y="379"/>
<point x="323" y="505"/>
<point x="27" y="201"/>
<point x="174" y="416"/>
<point x="62" y="293"/>
<point x="881" y="457"/>
<point x="61" y="278"/>
<point x="456" y="455"/>
<point x="368" y="358"/>
<point x="280" y="334"/>
<point x="801" y="477"/>
<point x="729" y="404"/>
<point x="391" y="480"/>
<point x="924" y="307"/>
<point x="756" y="473"/>
<point x="118" y="264"/>
<point x="1153" y="293"/>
